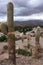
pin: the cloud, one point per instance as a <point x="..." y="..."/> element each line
<point x="30" y="7"/>
<point x="38" y="16"/>
<point x="22" y="7"/>
<point x="35" y="3"/>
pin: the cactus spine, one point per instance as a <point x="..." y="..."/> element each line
<point x="11" y="35"/>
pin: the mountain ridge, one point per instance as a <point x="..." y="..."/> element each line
<point x="28" y="22"/>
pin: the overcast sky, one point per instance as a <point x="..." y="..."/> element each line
<point x="23" y="9"/>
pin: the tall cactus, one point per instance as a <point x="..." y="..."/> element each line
<point x="37" y="35"/>
<point x="11" y="47"/>
<point x="10" y="17"/>
<point x="28" y="40"/>
<point x="11" y="35"/>
<point x="37" y="45"/>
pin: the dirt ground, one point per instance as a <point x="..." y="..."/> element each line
<point x="21" y="60"/>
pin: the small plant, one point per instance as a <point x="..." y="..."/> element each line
<point x="2" y="38"/>
<point x="23" y="52"/>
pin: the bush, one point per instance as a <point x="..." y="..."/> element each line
<point x="4" y="28"/>
<point x="2" y="38"/>
<point x="23" y="52"/>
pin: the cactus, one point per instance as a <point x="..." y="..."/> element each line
<point x="28" y="40"/>
<point x="35" y="53"/>
<point x="22" y="36"/>
<point x="4" y="28"/>
<point x="37" y="35"/>
<point x="11" y="47"/>
<point x="11" y="36"/>
<point x="10" y="17"/>
<point x="37" y="45"/>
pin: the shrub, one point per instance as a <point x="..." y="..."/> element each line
<point x="2" y="38"/>
<point x="23" y="52"/>
<point x="4" y="28"/>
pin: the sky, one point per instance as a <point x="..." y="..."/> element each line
<point x="23" y="10"/>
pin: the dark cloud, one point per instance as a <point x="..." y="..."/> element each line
<point x="20" y="3"/>
<point x="22" y="7"/>
<point x="28" y="7"/>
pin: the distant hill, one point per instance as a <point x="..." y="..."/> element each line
<point x="29" y="22"/>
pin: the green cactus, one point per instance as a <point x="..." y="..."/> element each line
<point x="11" y="47"/>
<point x="22" y="38"/>
<point x="10" y="17"/>
<point x="4" y="28"/>
<point x="28" y="40"/>
<point x="37" y="45"/>
<point x="37" y="35"/>
<point x="11" y="36"/>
